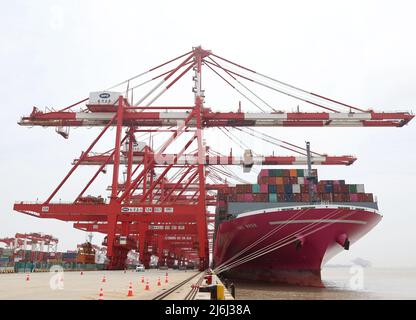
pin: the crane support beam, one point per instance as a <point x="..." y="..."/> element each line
<point x="227" y="160"/>
<point x="221" y="119"/>
<point x="169" y="229"/>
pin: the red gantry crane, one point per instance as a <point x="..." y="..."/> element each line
<point x="159" y="205"/>
<point x="37" y="242"/>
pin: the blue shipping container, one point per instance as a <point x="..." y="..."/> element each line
<point x="288" y="197"/>
<point x="272" y="188"/>
<point x="329" y="188"/>
<point x="288" y="188"/>
<point x="272" y="172"/>
<point x="255" y="188"/>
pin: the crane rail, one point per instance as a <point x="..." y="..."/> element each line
<point x="191" y="293"/>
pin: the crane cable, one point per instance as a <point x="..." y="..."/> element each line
<point x="274" y="141"/>
<point x="295" y="234"/>
<point x="289" y="85"/>
<point x="281" y="242"/>
<point x="244" y="86"/>
<point x="267" y="235"/>
<point x="235" y="139"/>
<point x="236" y="89"/>
<point x="128" y="80"/>
<point x="278" y="228"/>
<point x="148" y="71"/>
<point x="231" y="175"/>
<point x="292" y="95"/>
<point x="283" y="141"/>
<point x="273" y="247"/>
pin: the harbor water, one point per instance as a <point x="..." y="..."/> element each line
<point x="350" y="283"/>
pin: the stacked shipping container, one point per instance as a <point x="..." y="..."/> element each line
<point x="291" y="185"/>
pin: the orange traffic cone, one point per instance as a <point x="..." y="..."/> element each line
<point x="142" y="279"/>
<point x="147" y="285"/>
<point x="27" y="277"/>
<point x="130" y="293"/>
<point x="103" y="279"/>
<point x="158" y="282"/>
<point x="101" y="296"/>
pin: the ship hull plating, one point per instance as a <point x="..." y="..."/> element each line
<point x="303" y="239"/>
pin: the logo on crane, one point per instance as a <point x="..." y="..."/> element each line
<point x="104" y="95"/>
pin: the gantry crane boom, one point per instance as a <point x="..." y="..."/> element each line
<point x="211" y="119"/>
<point x="229" y="160"/>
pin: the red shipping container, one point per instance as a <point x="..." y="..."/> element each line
<point x="280" y="188"/>
<point x="264" y="173"/>
<point x="248" y="197"/>
<point x="325" y="196"/>
<point x="345" y="188"/>
<point x="353" y="197"/>
<point x="297" y="197"/>
<point x="261" y="197"/>
<point x="243" y="188"/>
<point x="264" y="188"/>
<point x="305" y="197"/>
<point x="361" y="197"/>
<point x="265" y="180"/>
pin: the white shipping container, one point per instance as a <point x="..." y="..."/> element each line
<point x="123" y="240"/>
<point x="301" y="180"/>
<point x="104" y="97"/>
<point x="360" y="188"/>
<point x="296" y="188"/>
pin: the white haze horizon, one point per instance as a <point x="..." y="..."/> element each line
<point x="54" y="53"/>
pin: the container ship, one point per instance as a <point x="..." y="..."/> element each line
<point x="287" y="226"/>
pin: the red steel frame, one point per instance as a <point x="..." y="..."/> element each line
<point x="151" y="213"/>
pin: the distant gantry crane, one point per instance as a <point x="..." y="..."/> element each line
<point x="160" y="205"/>
<point x="37" y="243"/>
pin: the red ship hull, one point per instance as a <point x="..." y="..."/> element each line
<point x="306" y="239"/>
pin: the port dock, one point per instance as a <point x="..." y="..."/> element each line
<point x="151" y="284"/>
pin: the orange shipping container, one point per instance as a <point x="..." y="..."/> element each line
<point x="279" y="180"/>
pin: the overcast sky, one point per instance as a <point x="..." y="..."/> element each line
<point x="360" y="52"/>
